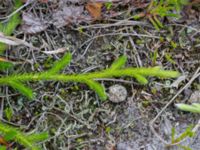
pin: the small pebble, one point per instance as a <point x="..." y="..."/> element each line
<point x="117" y="93"/>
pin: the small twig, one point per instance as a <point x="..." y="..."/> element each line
<point x="116" y="80"/>
<point x="119" y="23"/>
<point x="9" y="40"/>
<point x="121" y="34"/>
<point x="196" y="74"/>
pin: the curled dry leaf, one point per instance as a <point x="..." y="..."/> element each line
<point x="32" y="24"/>
<point x="4" y="142"/>
<point x="68" y="15"/>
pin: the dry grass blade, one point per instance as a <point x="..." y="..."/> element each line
<point x="14" y="41"/>
<point x="57" y="51"/>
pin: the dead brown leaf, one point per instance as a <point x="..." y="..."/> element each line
<point x="68" y="15"/>
<point x="3" y="141"/>
<point x="94" y="9"/>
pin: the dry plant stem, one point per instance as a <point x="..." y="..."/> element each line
<point x="119" y="23"/>
<point x="196" y="75"/>
<point x="196" y="127"/>
<point x="9" y="40"/>
<point x="121" y="34"/>
<point x="185" y="26"/>
<point x="2" y="108"/>
<point x="116" y="80"/>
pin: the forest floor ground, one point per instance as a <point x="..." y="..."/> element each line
<point x="73" y="114"/>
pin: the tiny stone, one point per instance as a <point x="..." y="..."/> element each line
<point x="117" y="93"/>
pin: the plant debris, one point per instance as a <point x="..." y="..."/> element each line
<point x="32" y="24"/>
<point x="68" y="15"/>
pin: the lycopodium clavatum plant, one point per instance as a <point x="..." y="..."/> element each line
<point x="9" y="26"/>
<point x="158" y="9"/>
<point x="117" y="69"/>
<point x="12" y="134"/>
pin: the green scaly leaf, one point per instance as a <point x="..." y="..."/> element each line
<point x="141" y="79"/>
<point x="38" y="137"/>
<point x="21" y="88"/>
<point x="119" y="63"/>
<point x="60" y="64"/>
<point x="98" y="88"/>
<point x="5" y="65"/>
